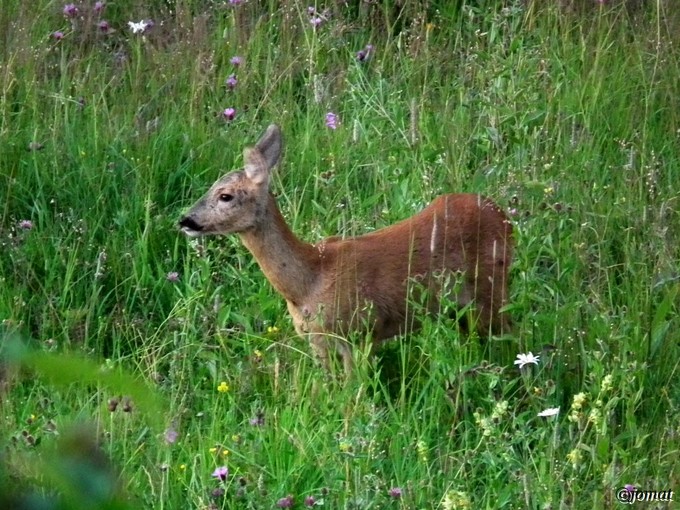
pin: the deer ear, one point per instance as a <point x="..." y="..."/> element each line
<point x="270" y="145"/>
<point x="255" y="166"/>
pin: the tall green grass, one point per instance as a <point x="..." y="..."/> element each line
<point x="570" y="121"/>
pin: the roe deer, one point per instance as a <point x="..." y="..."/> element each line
<point x="360" y="284"/>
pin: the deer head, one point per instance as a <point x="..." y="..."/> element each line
<point x="235" y="203"/>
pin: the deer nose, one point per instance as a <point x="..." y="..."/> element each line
<point x="188" y="222"/>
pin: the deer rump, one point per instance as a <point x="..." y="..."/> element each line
<point x="456" y="248"/>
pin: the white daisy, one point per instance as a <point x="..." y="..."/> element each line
<point x="553" y="411"/>
<point x="137" y="27"/>
<point x="525" y="359"/>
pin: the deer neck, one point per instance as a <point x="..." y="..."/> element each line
<point x="289" y="264"/>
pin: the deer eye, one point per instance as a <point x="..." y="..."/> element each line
<point x="226" y="197"/>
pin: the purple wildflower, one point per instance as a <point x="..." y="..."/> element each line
<point x="25" y="224"/>
<point x="171" y="435"/>
<point x="172" y="276"/>
<point x="221" y="473"/>
<point x="217" y="493"/>
<point x="236" y="60"/>
<point x="396" y="492"/>
<point x="58" y="35"/>
<point x="630" y="487"/>
<point x="235" y="2"/>
<point x="231" y="82"/>
<point x="311" y="10"/>
<point x="316" y="21"/>
<point x="104" y="26"/>
<point x="258" y="421"/>
<point x="332" y="120"/>
<point x="229" y="114"/>
<point x="70" y="10"/>
<point x="98" y="7"/>
<point x="286" y="502"/>
<point x="363" y="55"/>
<point x="310" y="501"/>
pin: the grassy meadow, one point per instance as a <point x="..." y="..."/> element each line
<point x="142" y="369"/>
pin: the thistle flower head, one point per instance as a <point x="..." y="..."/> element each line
<point x="396" y="492"/>
<point x="70" y="10"/>
<point x="229" y="114"/>
<point x="364" y="54"/>
<point x="286" y="502"/>
<point x="332" y="120"/>
<point x="221" y="473"/>
<point x="170" y="435"/>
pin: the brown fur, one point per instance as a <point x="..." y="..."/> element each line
<point x="360" y="284"/>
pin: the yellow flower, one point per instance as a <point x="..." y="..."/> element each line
<point x="223" y="387"/>
<point x="236" y="438"/>
<point x="487" y="426"/>
<point x="182" y="467"/>
<point x="456" y="500"/>
<point x="225" y="453"/>
<point x="484" y="423"/>
<point x="595" y="416"/>
<point x="422" y="449"/>
<point x="499" y="411"/>
<point x="272" y="330"/>
<point x="574" y="457"/>
<point x="345" y="446"/>
<point x="575" y="416"/>
<point x="213" y="450"/>
<point x="579" y="400"/>
<point x="607" y="383"/>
